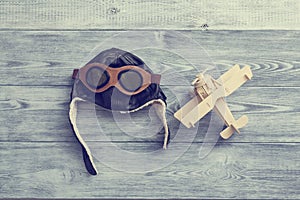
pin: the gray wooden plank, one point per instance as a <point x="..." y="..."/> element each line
<point x="257" y="170"/>
<point x="35" y="68"/>
<point x="177" y="14"/>
<point x="38" y="114"/>
<point x="48" y="58"/>
<point x="31" y="113"/>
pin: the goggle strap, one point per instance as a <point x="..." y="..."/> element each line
<point x="155" y="78"/>
<point x="75" y="73"/>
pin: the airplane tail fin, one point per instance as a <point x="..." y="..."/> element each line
<point x="235" y="126"/>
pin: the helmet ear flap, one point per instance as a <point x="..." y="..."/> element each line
<point x="75" y="73"/>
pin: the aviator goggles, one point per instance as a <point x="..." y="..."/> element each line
<point x="129" y="79"/>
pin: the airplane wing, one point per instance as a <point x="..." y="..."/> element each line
<point x="229" y="74"/>
<point x="238" y="78"/>
<point x="195" y="109"/>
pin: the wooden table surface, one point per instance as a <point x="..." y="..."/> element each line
<point x="42" y="42"/>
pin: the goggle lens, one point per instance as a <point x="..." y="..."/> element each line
<point x="96" y="77"/>
<point x="130" y="80"/>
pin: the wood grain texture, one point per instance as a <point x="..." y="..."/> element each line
<point x="230" y="171"/>
<point x="154" y="14"/>
<point x="41" y="158"/>
<point x="48" y="58"/>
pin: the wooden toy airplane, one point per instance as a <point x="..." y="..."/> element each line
<point x="210" y="95"/>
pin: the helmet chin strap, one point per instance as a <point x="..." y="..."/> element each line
<point x="88" y="158"/>
<point x="160" y="108"/>
<point x="161" y="112"/>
